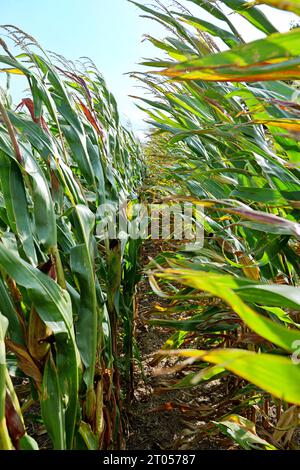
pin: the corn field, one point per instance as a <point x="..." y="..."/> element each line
<point x="224" y="125"/>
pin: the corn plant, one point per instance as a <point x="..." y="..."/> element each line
<point x="64" y="302"/>
<point x="232" y="111"/>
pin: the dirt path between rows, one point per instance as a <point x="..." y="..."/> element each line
<point x="160" y="419"/>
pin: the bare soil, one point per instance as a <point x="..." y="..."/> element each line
<point x="158" y="418"/>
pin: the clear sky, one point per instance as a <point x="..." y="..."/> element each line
<point x="108" y="31"/>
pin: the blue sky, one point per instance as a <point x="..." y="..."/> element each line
<point x="108" y="31"/>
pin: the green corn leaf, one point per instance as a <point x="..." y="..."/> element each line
<point x="261" y="369"/>
<point x="22" y="217"/>
<point x="52" y="407"/>
<point x="222" y="286"/>
<point x="289" y="5"/>
<point x="8" y="310"/>
<point x="28" y="443"/>
<point x="254" y="15"/>
<point x="5" y="442"/>
<point x="278" y="53"/>
<point x="242" y="431"/>
<point x="53" y="305"/>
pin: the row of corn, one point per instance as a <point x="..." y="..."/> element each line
<point x="230" y="111"/>
<point x="66" y="291"/>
